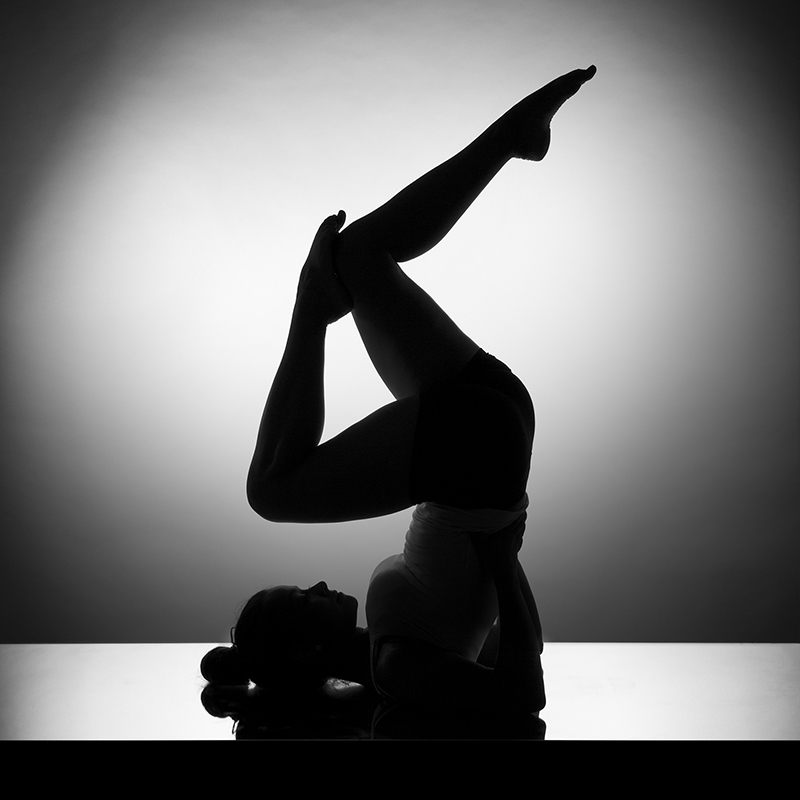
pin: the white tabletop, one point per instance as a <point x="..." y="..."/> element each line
<point x="594" y="691"/>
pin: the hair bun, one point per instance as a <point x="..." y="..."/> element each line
<point x="224" y="665"/>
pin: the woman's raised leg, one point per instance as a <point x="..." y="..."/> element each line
<point x="365" y="470"/>
<point x="410" y="339"/>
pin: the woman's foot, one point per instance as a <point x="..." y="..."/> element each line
<point x="526" y="126"/>
<point x="320" y="290"/>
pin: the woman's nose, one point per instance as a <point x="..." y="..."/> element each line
<point x="319" y="588"/>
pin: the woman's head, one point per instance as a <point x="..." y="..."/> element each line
<point x="285" y="634"/>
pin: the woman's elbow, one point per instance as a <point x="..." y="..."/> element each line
<point x="531" y="699"/>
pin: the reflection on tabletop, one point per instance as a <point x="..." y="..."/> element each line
<point x="342" y="710"/>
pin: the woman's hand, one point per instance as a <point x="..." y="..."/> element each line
<point x="320" y="292"/>
<point x="498" y="551"/>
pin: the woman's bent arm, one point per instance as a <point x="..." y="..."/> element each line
<point x="413" y="671"/>
<point x="410" y="670"/>
<point x="518" y="667"/>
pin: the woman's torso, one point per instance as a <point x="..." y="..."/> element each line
<point x="437" y="590"/>
<point x="469" y="471"/>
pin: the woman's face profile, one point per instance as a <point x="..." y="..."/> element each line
<point x="320" y="615"/>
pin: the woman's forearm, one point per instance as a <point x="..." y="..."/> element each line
<point x="293" y="418"/>
<point x="533" y="611"/>
<point x="517" y="669"/>
<point x="488" y="654"/>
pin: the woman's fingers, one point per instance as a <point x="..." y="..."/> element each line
<point x="504" y="543"/>
<point x="517" y="533"/>
<point x="511" y="536"/>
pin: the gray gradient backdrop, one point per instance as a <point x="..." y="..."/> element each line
<point x="164" y="167"/>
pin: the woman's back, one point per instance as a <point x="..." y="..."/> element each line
<point x="438" y="590"/>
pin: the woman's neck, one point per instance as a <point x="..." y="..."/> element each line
<point x="351" y="662"/>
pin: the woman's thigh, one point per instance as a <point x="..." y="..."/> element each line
<point x="362" y="472"/>
<point x="460" y="445"/>
<point x="411" y="340"/>
<point x="472" y="448"/>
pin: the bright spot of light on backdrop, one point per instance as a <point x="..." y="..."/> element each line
<point x="639" y="281"/>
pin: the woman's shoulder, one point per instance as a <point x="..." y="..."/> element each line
<point x="388" y="564"/>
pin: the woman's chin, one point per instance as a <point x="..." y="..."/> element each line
<point x="351" y="604"/>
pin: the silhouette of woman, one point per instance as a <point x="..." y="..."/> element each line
<point x="456" y="443"/>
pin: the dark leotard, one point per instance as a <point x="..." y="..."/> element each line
<point x="474" y="437"/>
